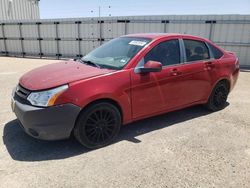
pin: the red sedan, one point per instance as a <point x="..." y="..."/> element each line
<point x="127" y="79"/>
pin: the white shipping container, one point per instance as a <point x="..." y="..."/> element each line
<point x="19" y="10"/>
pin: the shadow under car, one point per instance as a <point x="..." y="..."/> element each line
<point x="22" y="147"/>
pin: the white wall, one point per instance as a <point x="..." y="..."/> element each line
<point x="231" y="32"/>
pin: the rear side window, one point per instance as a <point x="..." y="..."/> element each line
<point x="196" y="50"/>
<point x="167" y="53"/>
<point x="216" y="52"/>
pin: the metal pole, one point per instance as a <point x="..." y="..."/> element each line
<point x="4" y="40"/>
<point x="100" y="26"/>
<point x="39" y="39"/>
<point x="211" y="30"/>
<point x="21" y="38"/>
<point x="79" y="40"/>
<point x="57" y="41"/>
<point x="165" y="22"/>
<point x="165" y="27"/>
<point x="126" y="27"/>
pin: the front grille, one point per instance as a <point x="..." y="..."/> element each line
<point x="21" y="95"/>
<point x="22" y="92"/>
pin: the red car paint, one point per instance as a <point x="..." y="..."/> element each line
<point x="138" y="95"/>
<point x="59" y="73"/>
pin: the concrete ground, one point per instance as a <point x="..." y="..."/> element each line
<point x="187" y="148"/>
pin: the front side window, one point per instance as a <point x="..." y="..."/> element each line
<point x="167" y="53"/>
<point x="195" y="50"/>
<point x="116" y="53"/>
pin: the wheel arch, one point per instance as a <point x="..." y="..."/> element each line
<point x="224" y="80"/>
<point x="107" y="100"/>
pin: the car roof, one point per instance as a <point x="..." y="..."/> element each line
<point x="161" y="35"/>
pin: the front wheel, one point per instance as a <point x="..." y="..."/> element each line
<point x="98" y="125"/>
<point x="218" y="97"/>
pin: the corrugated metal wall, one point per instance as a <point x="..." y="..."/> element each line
<point x="19" y="9"/>
<point x="76" y="37"/>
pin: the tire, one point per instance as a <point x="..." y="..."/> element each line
<point x="218" y="98"/>
<point x="98" y="125"/>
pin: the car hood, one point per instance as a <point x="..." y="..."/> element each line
<point x="57" y="74"/>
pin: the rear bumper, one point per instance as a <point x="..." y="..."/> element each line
<point x="234" y="78"/>
<point x="52" y="123"/>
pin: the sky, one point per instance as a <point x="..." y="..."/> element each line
<point x="89" y="8"/>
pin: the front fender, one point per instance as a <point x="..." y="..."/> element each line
<point x="113" y="86"/>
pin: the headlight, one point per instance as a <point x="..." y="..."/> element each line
<point x="46" y="98"/>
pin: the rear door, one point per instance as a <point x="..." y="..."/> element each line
<point x="216" y="66"/>
<point x="196" y="71"/>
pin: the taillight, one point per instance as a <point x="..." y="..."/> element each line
<point x="237" y="63"/>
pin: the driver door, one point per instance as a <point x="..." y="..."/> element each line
<point x="151" y="91"/>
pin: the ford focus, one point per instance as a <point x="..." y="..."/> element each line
<point x="126" y="79"/>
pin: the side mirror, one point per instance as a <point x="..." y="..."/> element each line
<point x="150" y="66"/>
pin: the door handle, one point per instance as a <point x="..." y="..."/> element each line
<point x="175" y="72"/>
<point x="209" y="65"/>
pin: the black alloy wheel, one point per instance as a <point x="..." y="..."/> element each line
<point x="218" y="97"/>
<point x="98" y="125"/>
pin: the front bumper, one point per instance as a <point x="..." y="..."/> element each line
<point x="51" y="123"/>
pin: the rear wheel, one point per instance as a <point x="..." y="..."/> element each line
<point x="218" y="97"/>
<point x="98" y="125"/>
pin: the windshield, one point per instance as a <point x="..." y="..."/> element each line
<point x="116" y="53"/>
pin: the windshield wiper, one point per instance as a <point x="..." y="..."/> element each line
<point x="90" y="63"/>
